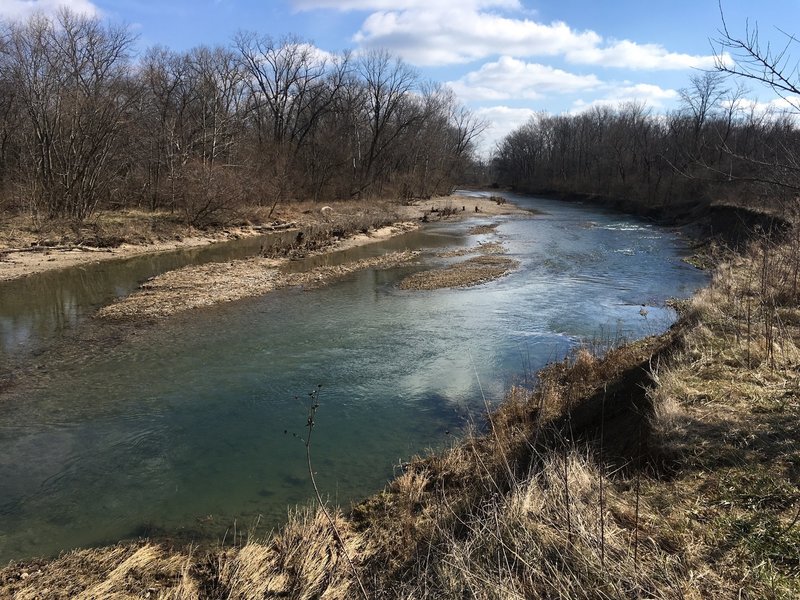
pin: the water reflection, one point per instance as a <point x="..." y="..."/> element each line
<point x="178" y="427"/>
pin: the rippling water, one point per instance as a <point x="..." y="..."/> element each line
<point x="185" y="428"/>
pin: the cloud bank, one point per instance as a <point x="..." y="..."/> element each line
<point x="22" y="9"/>
<point x="449" y="32"/>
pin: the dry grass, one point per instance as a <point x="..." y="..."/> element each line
<point x="550" y="536"/>
<point x="302" y="561"/>
<point x="726" y="423"/>
<point x="124" y="572"/>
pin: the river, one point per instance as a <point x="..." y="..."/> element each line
<point x="192" y="427"/>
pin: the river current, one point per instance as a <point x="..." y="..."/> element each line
<point x="190" y="428"/>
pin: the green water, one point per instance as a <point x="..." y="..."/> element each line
<point x="184" y="428"/>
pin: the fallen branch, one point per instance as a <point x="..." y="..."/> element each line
<point x="276" y="227"/>
<point x="48" y="248"/>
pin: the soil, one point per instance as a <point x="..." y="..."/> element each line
<point x="205" y="285"/>
<point x="27" y="248"/>
<point x="473" y="271"/>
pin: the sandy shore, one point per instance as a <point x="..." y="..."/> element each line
<point x="205" y="285"/>
<point x="18" y="259"/>
<point x="15" y="263"/>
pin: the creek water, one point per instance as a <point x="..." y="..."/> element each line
<point x="190" y="428"/>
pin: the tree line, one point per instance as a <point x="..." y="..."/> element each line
<point x="716" y="146"/>
<point x="87" y="122"/>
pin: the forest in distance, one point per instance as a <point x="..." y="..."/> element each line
<point x="717" y="147"/>
<point x="88" y="121"/>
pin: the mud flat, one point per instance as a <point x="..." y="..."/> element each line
<point x="473" y="271"/>
<point x="205" y="285"/>
<point x="26" y="250"/>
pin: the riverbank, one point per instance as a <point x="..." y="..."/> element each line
<point x="667" y="468"/>
<point x="27" y="248"/>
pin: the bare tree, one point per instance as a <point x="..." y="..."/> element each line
<point x="387" y="112"/>
<point x="202" y="130"/>
<point x="702" y="98"/>
<point x="285" y="80"/>
<point x="10" y="116"/>
<point x="161" y="124"/>
<point x="291" y="87"/>
<point x="748" y="58"/>
<point x="71" y="74"/>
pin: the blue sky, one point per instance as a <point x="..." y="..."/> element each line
<point x="506" y="59"/>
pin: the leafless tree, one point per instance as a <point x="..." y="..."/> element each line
<point x="388" y="112"/>
<point x="200" y="131"/>
<point x="71" y="74"/>
<point x="747" y="57"/>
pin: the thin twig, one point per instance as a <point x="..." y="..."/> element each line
<point x="312" y="409"/>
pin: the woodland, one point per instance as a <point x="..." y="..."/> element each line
<point x="88" y="122"/>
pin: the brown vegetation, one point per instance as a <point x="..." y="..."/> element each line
<point x="203" y="132"/>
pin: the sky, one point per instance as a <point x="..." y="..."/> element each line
<point x="505" y="59"/>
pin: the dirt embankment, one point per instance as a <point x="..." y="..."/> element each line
<point x="28" y="246"/>
<point x="205" y="285"/>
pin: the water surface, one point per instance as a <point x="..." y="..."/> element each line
<point x="187" y="427"/>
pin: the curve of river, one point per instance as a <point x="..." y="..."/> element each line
<point x="185" y="428"/>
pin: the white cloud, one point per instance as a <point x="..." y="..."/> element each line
<point x="630" y="55"/>
<point x="649" y="94"/>
<point x="438" y="36"/>
<point x="22" y="9"/>
<point x="512" y="78"/>
<point x="503" y="120"/>
<point x="442" y="32"/>
<point x="378" y="5"/>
